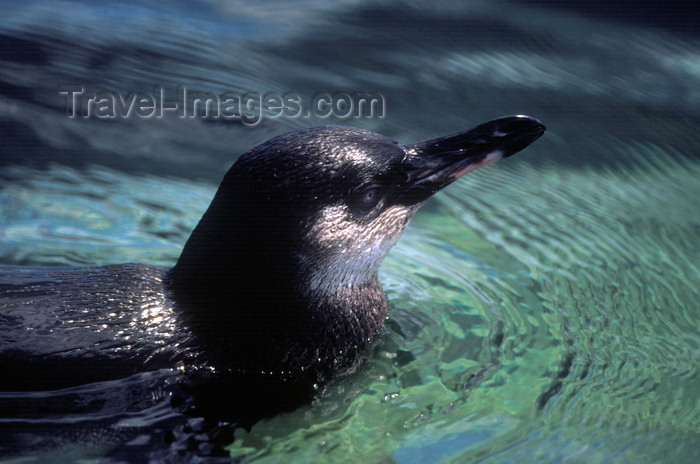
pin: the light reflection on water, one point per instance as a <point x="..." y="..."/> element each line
<point x="544" y="308"/>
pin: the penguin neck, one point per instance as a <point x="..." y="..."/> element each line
<point x="243" y="273"/>
<point x="224" y="266"/>
<point x="268" y="275"/>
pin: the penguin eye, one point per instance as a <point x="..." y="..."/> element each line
<point x="365" y="198"/>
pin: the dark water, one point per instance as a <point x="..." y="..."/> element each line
<point x="544" y="309"/>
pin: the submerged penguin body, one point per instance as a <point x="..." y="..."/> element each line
<point x="277" y="285"/>
<point x="69" y="326"/>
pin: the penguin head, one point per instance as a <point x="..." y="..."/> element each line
<point x="325" y="204"/>
<point x="344" y="196"/>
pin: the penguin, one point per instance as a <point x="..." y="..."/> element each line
<point x="276" y="289"/>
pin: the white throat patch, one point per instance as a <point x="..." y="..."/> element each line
<point x="352" y="252"/>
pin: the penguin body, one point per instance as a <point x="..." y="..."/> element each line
<point x="277" y="286"/>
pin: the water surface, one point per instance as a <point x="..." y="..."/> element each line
<point x="543" y="309"/>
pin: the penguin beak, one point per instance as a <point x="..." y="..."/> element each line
<point x="433" y="164"/>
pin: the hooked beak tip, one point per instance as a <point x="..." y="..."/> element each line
<point x="435" y="163"/>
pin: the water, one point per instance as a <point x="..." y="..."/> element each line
<point x="543" y="309"/>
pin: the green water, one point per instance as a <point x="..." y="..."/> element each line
<point x="538" y="312"/>
<point x="543" y="309"/>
